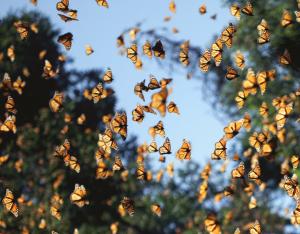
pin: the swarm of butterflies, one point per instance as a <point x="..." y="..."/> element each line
<point x="160" y="92"/>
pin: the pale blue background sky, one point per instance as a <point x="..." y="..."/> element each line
<point x="100" y="27"/>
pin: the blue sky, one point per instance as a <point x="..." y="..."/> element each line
<point x="100" y="27"/>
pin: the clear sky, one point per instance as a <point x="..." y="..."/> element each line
<point x="100" y="27"/>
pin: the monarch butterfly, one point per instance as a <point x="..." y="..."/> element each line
<point x="128" y="205"/>
<point x="255" y="174"/>
<point x="140" y="171"/>
<point x="235" y="10"/>
<point x="255" y="228"/>
<point x="156" y="209"/>
<point x="166" y="147"/>
<point x="106" y="141"/>
<point x="138" y="114"/>
<point x="172" y="7"/>
<point x="78" y="196"/>
<point x="66" y="18"/>
<point x="6" y="83"/>
<point x="295" y="160"/>
<point x="172" y="108"/>
<point x="62" y="150"/>
<point x="211" y="224"/>
<point x="220" y="150"/>
<point x="247" y="122"/>
<point x="147" y="49"/>
<point x="118" y="165"/>
<point x="158" y="129"/>
<point x="248" y="9"/>
<point x="239" y="171"/>
<point x="139" y="88"/>
<point x="114" y="227"/>
<point x="19" y="85"/>
<point x="202" y="191"/>
<point x="148" y="109"/>
<point x="66" y="40"/>
<point x="227" y="35"/>
<point x="152" y="147"/>
<point x="263" y="78"/>
<point x="55" y="211"/>
<point x="206" y="172"/>
<point x="170" y="169"/>
<point x="184" y="53"/>
<point x="63" y="6"/>
<point x="56" y="102"/>
<point x="282" y="115"/>
<point x="202" y="9"/>
<point x="158" y="50"/>
<point x="73" y="14"/>
<point x="98" y="93"/>
<point x="239" y="60"/>
<point x="231" y="73"/>
<point x="237" y="231"/>
<point x="286" y="19"/>
<point x="133" y="32"/>
<point x="205" y="61"/>
<point x="132" y="53"/>
<point x="11" y="53"/>
<point x="3" y="159"/>
<point x="184" y="153"/>
<point x="81" y="119"/>
<point x="89" y="50"/>
<point x="9" y="203"/>
<point x="153" y="83"/>
<point x="103" y="3"/>
<point x="290" y="185"/>
<point x="119" y="124"/>
<point x="22" y="28"/>
<point x="138" y="64"/>
<point x="264" y="110"/>
<point x="264" y="38"/>
<point x="263" y="32"/>
<point x="159" y="175"/>
<point x="9" y="124"/>
<point x="162" y="158"/>
<point x="10" y="105"/>
<point x="295" y="217"/>
<point x="233" y="129"/>
<point x="102" y="172"/>
<point x="250" y="84"/>
<point x="48" y="72"/>
<point x="158" y="101"/>
<point x="216" y="51"/>
<point x="164" y="82"/>
<point x="101" y="154"/>
<point x="257" y="140"/>
<point x="73" y="164"/>
<point x="297" y="13"/>
<point x="285" y="59"/>
<point x="263" y="26"/>
<point x="120" y="41"/>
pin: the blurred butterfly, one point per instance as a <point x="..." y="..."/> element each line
<point x="211" y="224"/>
<point x="11" y="53"/>
<point x="158" y="50"/>
<point x="6" y="83"/>
<point x="156" y="209"/>
<point x="63" y="6"/>
<point x="19" y="85"/>
<point x="162" y="158"/>
<point x="132" y="53"/>
<point x="233" y="129"/>
<point x="34" y="2"/>
<point x="48" y="72"/>
<point x="98" y="93"/>
<point x="295" y="160"/>
<point x="282" y="115"/>
<point x="140" y="171"/>
<point x="235" y="10"/>
<point x="239" y="171"/>
<point x="10" y="105"/>
<point x="119" y="124"/>
<point x="9" y="203"/>
<point x="22" y="28"/>
<point x="102" y="3"/>
<point x="170" y="169"/>
<point x="248" y="9"/>
<point x="216" y="51"/>
<point x="172" y="7"/>
<point x="128" y="205"/>
<point x="106" y="141"/>
<point x="114" y="227"/>
<point x="66" y="40"/>
<point x="3" y="159"/>
<point x="138" y="64"/>
<point x="184" y="153"/>
<point x="158" y="129"/>
<point x="56" y="102"/>
<point x="102" y="172"/>
<point x="148" y="109"/>
<point x="147" y="49"/>
<point x="158" y="101"/>
<point x="286" y="19"/>
<point x="118" y="165"/>
<point x="250" y="83"/>
<point x="159" y="175"/>
<point x="220" y="150"/>
<point x="247" y="122"/>
<point x="166" y="147"/>
<point x="252" y="204"/>
<point x="255" y="173"/>
<point x="120" y="41"/>
<point x="205" y="61"/>
<point x="295" y="217"/>
<point x="108" y="76"/>
<point x="164" y="82"/>
<point x="81" y="119"/>
<point x="297" y="13"/>
<point x="139" y="88"/>
<point x="133" y="32"/>
<point x="78" y="196"/>
<point x="89" y="50"/>
<point x="227" y="35"/>
<point x="239" y="60"/>
<point x="285" y="59"/>
<point x="184" y="53"/>
<point x="202" y="191"/>
<point x="255" y="228"/>
<point x="172" y="108"/>
<point x="55" y="211"/>
<point x="202" y="9"/>
<point x="231" y="73"/>
<point x="9" y="124"/>
<point x="263" y="77"/>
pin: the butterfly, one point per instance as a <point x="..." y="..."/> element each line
<point x="139" y="88"/>
<point x="158" y="50"/>
<point x="108" y="76"/>
<point x="233" y="129"/>
<point x="153" y="83"/>
<point x="158" y="129"/>
<point x="231" y="73"/>
<point x="239" y="60"/>
<point x="78" y="196"/>
<point x="220" y="150"/>
<point x="295" y="217"/>
<point x="258" y="139"/>
<point x="235" y="10"/>
<point x="106" y="141"/>
<point x="159" y="175"/>
<point x="285" y="59"/>
<point x="172" y="7"/>
<point x="184" y="153"/>
<point x="164" y="82"/>
<point x="247" y="122"/>
<point x="89" y="50"/>
<point x="11" y="53"/>
<point x="227" y="35"/>
<point x="263" y="32"/>
<point x="81" y="119"/>
<point x="152" y="147"/>
<point x="252" y="204"/>
<point x="55" y="211"/>
<point x="158" y="101"/>
<point x="98" y="93"/>
<point x="140" y="171"/>
<point x="202" y="191"/>
<point x="170" y="169"/>
<point x="102" y="172"/>
<point x="248" y="9"/>
<point x="156" y="209"/>
<point x="239" y="171"/>
<point x="282" y="115"/>
<point x="147" y="49"/>
<point x="297" y="13"/>
<point x="63" y="6"/>
<point x="166" y="147"/>
<point x="114" y="227"/>
<point x="62" y="150"/>
<point x="119" y="124"/>
<point x="48" y="72"/>
<point x="3" y="159"/>
<point x="19" y="85"/>
<point x="73" y="164"/>
<point x="9" y="203"/>
<point x="255" y="228"/>
<point x="22" y="28"/>
<point x="184" y="54"/>
<point x="138" y="114"/>
<point x="67" y="18"/>
<point x="9" y="124"/>
<point x="202" y="9"/>
<point x="10" y="105"/>
<point x="286" y="19"/>
<point x="211" y="224"/>
<point x="205" y="61"/>
<point x="295" y="160"/>
<point x="290" y="185"/>
<point x="148" y="109"/>
<point x="66" y="40"/>
<point x="255" y="173"/>
<point x="118" y="165"/>
<point x="128" y="205"/>
<point x="263" y="77"/>
<point x="132" y="53"/>
<point x="56" y="102"/>
<point x="250" y="83"/>
<point x="103" y="3"/>
<point x="216" y="51"/>
<point x="172" y="108"/>
<point x="120" y="41"/>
